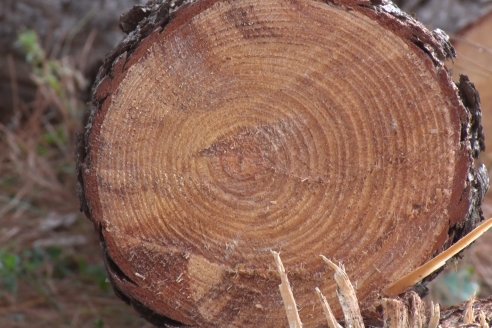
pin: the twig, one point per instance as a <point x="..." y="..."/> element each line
<point x="437" y="262"/>
<point x="13" y="84"/>
<point x="86" y="49"/>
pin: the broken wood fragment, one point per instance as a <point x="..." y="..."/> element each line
<point x="287" y="296"/>
<point x="330" y="318"/>
<point x="395" y="313"/>
<point x="346" y="296"/>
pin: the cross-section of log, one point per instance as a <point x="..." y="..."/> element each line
<point x="224" y="129"/>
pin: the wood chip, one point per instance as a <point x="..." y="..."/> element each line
<point x="483" y="320"/>
<point x="469" y="316"/>
<point x="395" y="313"/>
<point x="330" y="318"/>
<point x="435" y="315"/>
<point x="416" y="315"/>
<point x="347" y="296"/>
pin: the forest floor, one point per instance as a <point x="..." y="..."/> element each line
<point x="51" y="271"/>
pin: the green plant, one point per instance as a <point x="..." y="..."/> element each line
<point x="29" y="43"/>
<point x="37" y="265"/>
<point x="9" y="271"/>
<point x="99" y="323"/>
<point x="46" y="71"/>
<point x="38" y="145"/>
<point x="37" y="177"/>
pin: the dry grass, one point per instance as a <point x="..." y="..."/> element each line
<point x="51" y="274"/>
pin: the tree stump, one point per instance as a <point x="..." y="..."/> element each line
<point x="222" y="130"/>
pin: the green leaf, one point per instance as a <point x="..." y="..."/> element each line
<point x="99" y="323"/>
<point x="9" y="262"/>
<point x="29" y="43"/>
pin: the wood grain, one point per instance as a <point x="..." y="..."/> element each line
<point x="223" y="130"/>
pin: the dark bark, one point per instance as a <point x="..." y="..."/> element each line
<point x="453" y="317"/>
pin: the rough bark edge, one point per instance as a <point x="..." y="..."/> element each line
<point x="140" y="21"/>
<point x="479" y="309"/>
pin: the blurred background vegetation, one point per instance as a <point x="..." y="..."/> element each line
<point x="51" y="271"/>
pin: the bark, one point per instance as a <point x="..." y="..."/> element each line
<point x="410" y="312"/>
<point x="223" y="130"/>
<point x="455" y="316"/>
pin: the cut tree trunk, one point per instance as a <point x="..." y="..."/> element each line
<point x="222" y="130"/>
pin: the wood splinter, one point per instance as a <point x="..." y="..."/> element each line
<point x="287" y="295"/>
<point x="405" y="312"/>
<point x="330" y="318"/>
<point x="346" y="296"/>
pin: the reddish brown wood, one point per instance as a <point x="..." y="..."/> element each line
<point x="223" y="130"/>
